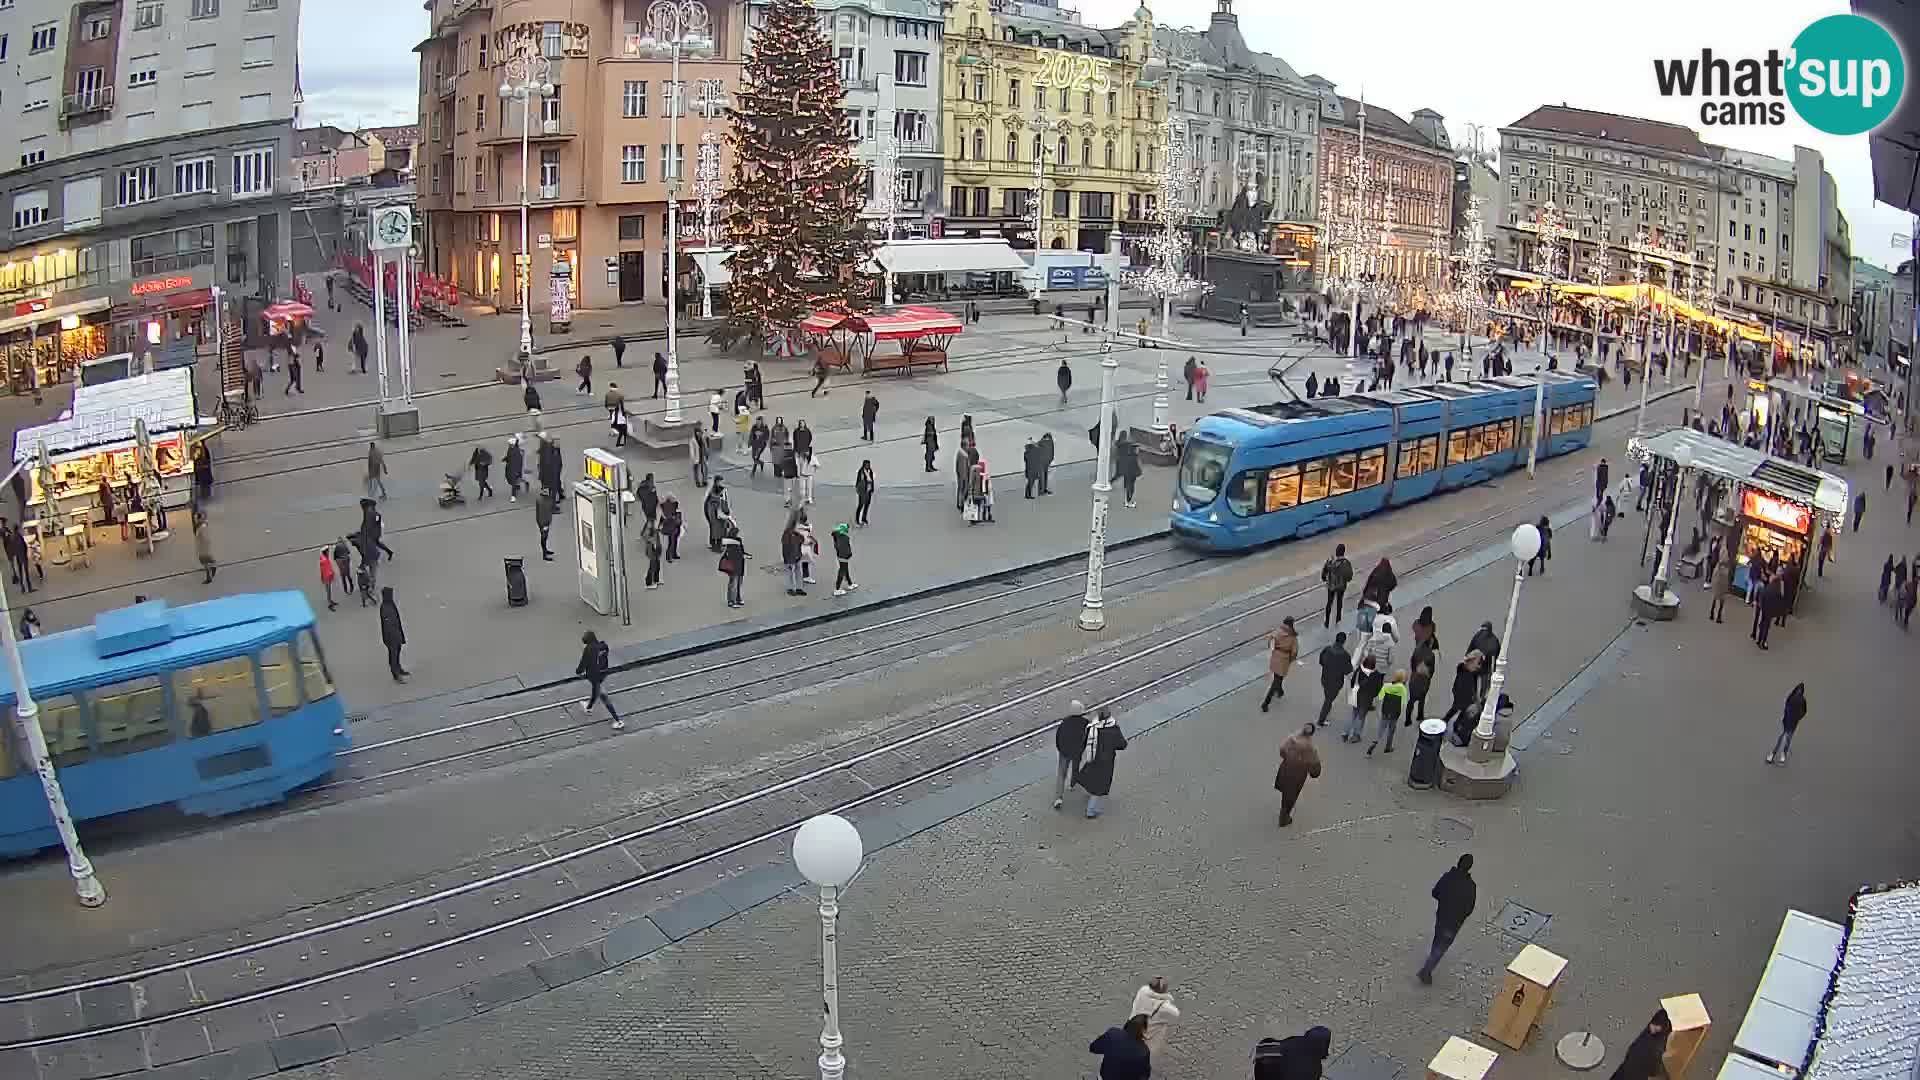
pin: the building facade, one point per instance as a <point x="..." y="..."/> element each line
<point x="1026" y="84"/>
<point x="326" y="156"/>
<point x="1253" y="125"/>
<point x="147" y="156"/>
<point x="890" y="52"/>
<point x="1412" y="166"/>
<point x="603" y="152"/>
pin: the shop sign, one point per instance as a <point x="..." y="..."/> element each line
<point x="29" y="307"/>
<point x="1786" y="515"/>
<point x="559" y="304"/>
<point x="161" y="284"/>
<point x="937" y="228"/>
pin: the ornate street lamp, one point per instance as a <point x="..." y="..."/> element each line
<point x="528" y="78"/>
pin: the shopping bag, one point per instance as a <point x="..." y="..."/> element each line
<point x="972" y="511"/>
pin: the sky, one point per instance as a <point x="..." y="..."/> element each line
<point x="1472" y="61"/>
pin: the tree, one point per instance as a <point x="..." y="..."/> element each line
<point x="797" y="190"/>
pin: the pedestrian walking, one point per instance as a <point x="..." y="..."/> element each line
<point x="1069" y="739"/>
<point x="962" y="469"/>
<point x="1296" y="1057"/>
<point x="1126" y="466"/>
<point x="584" y="369"/>
<point x="651" y="543"/>
<point x="1393" y="701"/>
<point x="593" y="668"/>
<point x="293" y="374"/>
<point x="514" y="467"/>
<point x="1030" y="466"/>
<point x="616" y="405"/>
<point x="1466" y="689"/>
<point x="1381" y="581"/>
<point x="530" y="400"/>
<point x="1790" y="717"/>
<point x="1299" y="761"/>
<point x="1859" y="509"/>
<point x="863" y="486"/>
<point x="1123" y="1050"/>
<point x="742" y="427"/>
<point x="791" y="544"/>
<point x="648" y="496"/>
<point x="619" y="351"/>
<point x="715" y="509"/>
<point x="1335" y="666"/>
<point x="1600" y="472"/>
<point x="1722" y="576"/>
<point x="319" y="358"/>
<point x="1186" y="374"/>
<point x="1645" y="1058"/>
<point x="203" y="546"/>
<point x="1366" y="682"/>
<point x="1453" y="896"/>
<point x="372" y="529"/>
<point x="820" y="372"/>
<point x="715" y="403"/>
<point x="869" y="412"/>
<point x="331" y="306"/>
<point x="543" y="519"/>
<point x="327" y="573"/>
<point x="1886" y="579"/>
<point x="392" y="635"/>
<point x="1046" y="463"/>
<point x="1889" y="484"/>
<point x="733" y="564"/>
<point x="1545" y="554"/>
<point x="1283" y="648"/>
<point x="1099" y="752"/>
<point x="659" y="374"/>
<point x="757" y="441"/>
<point x="482" y="462"/>
<point x="1771" y="607"/>
<point x="357" y="345"/>
<point x="808" y="467"/>
<point x="843" y="582"/>
<point x="929" y="443"/>
<point x="1825" y="551"/>
<point x="672" y="524"/>
<point x="376" y="470"/>
<point x="1202" y="376"/>
<point x="1336" y="574"/>
<point x="756" y="386"/>
<point x="1063" y="378"/>
<point x="1155" y="1002"/>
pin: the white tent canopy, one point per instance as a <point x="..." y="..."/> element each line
<point x="1821" y="490"/>
<point x="948" y="256"/>
<point x="712" y="262"/>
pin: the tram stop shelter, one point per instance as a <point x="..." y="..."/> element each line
<point x="1765" y="505"/>
<point x="1836" y="417"/>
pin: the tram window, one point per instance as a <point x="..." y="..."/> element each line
<point x="130" y="716"/>
<point x="225" y="689"/>
<point x="1343" y="468"/>
<point x="1203" y="470"/>
<point x="1526" y="432"/>
<point x="1556" y="422"/>
<point x="313" y="669"/>
<point x="1429" y="453"/>
<point x="1313" y="481"/>
<point x="1243" y="493"/>
<point x="66" y="734"/>
<point x="282" y="678"/>
<point x="1457" y="444"/>
<point x="1283" y="488"/>
<point x="1373" y="467"/>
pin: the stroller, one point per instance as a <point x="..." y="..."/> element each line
<point x="450" y="491"/>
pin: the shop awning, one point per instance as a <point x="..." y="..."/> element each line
<point x="1868" y="1026"/>
<point x="103" y="415"/>
<point x="1823" y="491"/>
<point x="948" y="256"/>
<point x="907" y="322"/>
<point x="712" y="263"/>
<point x="287" y="309"/>
<point x="53" y="314"/>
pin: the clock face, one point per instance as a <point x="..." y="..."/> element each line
<point x="393" y="228"/>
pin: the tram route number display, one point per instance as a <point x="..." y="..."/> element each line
<point x="1075" y="71"/>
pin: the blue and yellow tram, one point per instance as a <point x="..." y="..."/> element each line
<point x="212" y="708"/>
<point x="1291" y="469"/>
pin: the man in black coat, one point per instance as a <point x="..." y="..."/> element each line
<point x="1045" y="447"/>
<point x="1335" y="666"/>
<point x="1453" y="896"/>
<point x="659" y="373"/>
<point x="1030" y="462"/>
<point x="593" y="668"/>
<point x="391" y="634"/>
<point x="1644" y="1054"/>
<point x="869" y="412"/>
<point x="1068" y="741"/>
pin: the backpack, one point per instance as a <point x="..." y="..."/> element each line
<point x="600" y="657"/>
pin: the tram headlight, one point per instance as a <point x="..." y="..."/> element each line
<point x="1213" y="517"/>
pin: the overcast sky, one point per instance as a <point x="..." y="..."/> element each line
<point x="1474" y="62"/>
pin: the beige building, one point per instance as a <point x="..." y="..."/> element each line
<point x="599" y="161"/>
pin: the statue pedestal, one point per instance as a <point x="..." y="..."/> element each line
<point x="1252" y="280"/>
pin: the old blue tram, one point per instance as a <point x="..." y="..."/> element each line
<point x="211" y="708"/>
<point x="1253" y="476"/>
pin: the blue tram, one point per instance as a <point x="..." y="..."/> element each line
<point x="1292" y="469"/>
<point x="212" y="708"/>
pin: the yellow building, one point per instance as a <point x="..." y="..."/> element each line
<point x="1040" y="86"/>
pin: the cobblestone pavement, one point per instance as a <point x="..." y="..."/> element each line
<point x="1645" y="828"/>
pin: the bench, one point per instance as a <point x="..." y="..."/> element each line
<point x="835" y="359"/>
<point x="907" y="361"/>
<point x="1691" y="566"/>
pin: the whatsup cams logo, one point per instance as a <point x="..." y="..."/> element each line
<point x="1844" y="75"/>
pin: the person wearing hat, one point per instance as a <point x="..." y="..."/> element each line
<point x="1068" y="740"/>
<point x="1284" y="649"/>
<point x="843" y="582"/>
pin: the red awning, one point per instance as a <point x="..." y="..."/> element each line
<point x="910" y="322"/>
<point x="287" y="309"/>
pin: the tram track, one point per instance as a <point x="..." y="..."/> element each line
<point x="975" y="733"/>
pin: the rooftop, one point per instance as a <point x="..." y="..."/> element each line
<point x="1869" y="1023"/>
<point x="1345" y="112"/>
<point x="1632" y="130"/>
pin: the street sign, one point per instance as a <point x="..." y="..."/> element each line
<point x="544" y="241"/>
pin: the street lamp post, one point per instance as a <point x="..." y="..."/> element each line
<point x="707" y="187"/>
<point x="1470" y="282"/>
<point x="528" y="76"/>
<point x="26" y="719"/>
<point x="1547" y="255"/>
<point x="675" y="27"/>
<point x="1093" y="614"/>
<point x="1525" y="544"/>
<point x="1700" y="295"/>
<point x="1167" y="277"/>
<point x="1639" y="264"/>
<point x="1036" y="202"/>
<point x="828" y="851"/>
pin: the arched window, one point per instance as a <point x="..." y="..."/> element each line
<point x="1062" y="156"/>
<point x="1058" y="242"/>
<point x="1013" y="147"/>
<point x="1086" y="151"/>
<point x="979" y="145"/>
<point x="1109" y="153"/>
<point x="1136" y="159"/>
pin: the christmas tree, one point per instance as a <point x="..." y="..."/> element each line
<point x="797" y="190"/>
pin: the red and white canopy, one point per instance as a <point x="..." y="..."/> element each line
<point x="907" y="322"/>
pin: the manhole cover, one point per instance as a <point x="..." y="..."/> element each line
<point x="1520" y="921"/>
<point x="1449" y="830"/>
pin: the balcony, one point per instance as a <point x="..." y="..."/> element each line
<point x="540" y="131"/>
<point x="448" y="83"/>
<point x="870" y="85"/>
<point x="85" y="103"/>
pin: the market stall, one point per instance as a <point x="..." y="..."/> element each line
<point x="843" y="339"/>
<point x="287" y="320"/>
<point x="837" y="338"/>
<point x="1772" y="507"/>
<point x="135" y="435"/>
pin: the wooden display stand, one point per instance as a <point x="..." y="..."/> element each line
<point x="1461" y="1060"/>
<point x="1691" y="1023"/>
<point x="1524" y="996"/>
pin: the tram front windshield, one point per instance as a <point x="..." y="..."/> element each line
<point x="1203" y="471"/>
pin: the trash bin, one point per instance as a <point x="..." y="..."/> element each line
<point x="1425" y="768"/>
<point x="516" y="583"/>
